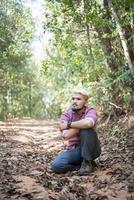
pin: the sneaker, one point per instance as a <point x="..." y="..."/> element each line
<point x="85" y="169"/>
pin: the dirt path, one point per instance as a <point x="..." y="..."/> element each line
<point x="26" y="150"/>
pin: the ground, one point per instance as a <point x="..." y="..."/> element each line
<point x="28" y="146"/>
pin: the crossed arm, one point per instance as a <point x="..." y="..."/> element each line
<point x="75" y="127"/>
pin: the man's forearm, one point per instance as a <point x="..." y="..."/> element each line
<point x="84" y="123"/>
<point x="69" y="133"/>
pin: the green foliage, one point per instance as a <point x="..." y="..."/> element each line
<point x="18" y="82"/>
<point x="87" y="50"/>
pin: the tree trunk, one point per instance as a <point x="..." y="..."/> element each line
<point x="123" y="40"/>
<point x="30" y="99"/>
<point x="106" y="42"/>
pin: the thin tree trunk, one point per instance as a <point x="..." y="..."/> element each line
<point x="30" y="99"/>
<point x="123" y="40"/>
<point x="84" y="10"/>
<point x="88" y="39"/>
<point x="106" y="42"/>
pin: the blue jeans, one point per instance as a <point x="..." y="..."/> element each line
<point x="89" y="149"/>
<point x="67" y="160"/>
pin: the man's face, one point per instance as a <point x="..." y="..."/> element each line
<point x="78" y="101"/>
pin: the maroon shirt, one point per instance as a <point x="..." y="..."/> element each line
<point x="69" y="115"/>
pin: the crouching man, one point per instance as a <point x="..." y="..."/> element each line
<point x="77" y="126"/>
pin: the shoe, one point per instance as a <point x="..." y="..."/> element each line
<point x="94" y="164"/>
<point x="85" y="169"/>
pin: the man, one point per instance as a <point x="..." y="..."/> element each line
<point x="77" y="125"/>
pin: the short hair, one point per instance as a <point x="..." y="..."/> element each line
<point x="81" y="91"/>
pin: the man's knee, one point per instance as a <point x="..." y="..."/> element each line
<point x="86" y="132"/>
<point x="56" y="166"/>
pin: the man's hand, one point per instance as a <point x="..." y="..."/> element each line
<point x="63" y="125"/>
<point x="70" y="133"/>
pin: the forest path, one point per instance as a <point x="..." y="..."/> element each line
<point x="27" y="148"/>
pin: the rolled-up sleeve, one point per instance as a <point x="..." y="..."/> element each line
<point x="65" y="116"/>
<point x="92" y="115"/>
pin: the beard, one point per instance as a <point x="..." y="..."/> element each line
<point x="74" y="108"/>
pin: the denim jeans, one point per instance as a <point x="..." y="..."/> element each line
<point x="88" y="149"/>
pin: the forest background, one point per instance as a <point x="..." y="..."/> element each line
<point x="92" y="45"/>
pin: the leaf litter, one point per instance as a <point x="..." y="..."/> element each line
<point x="27" y="148"/>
